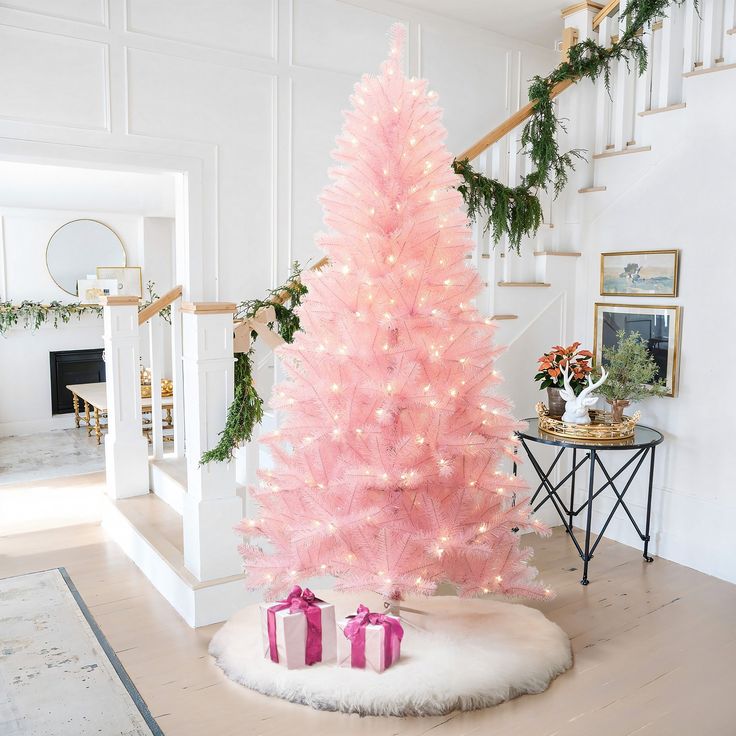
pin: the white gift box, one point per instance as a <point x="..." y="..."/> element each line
<point x="375" y="658"/>
<point x="291" y="635"/>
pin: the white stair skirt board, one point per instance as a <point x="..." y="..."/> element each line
<point x="59" y="675"/>
<point x="468" y="654"/>
<point x="150" y="533"/>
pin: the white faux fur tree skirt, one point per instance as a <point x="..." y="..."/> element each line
<point x="468" y="654"/>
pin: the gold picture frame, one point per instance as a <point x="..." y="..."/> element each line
<point x="663" y="344"/>
<point x="663" y="280"/>
<point x="130" y="279"/>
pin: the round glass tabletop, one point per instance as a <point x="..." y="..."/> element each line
<point x="643" y="437"/>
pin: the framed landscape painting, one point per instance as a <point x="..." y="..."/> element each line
<point x="640" y="273"/>
<point x="658" y="326"/>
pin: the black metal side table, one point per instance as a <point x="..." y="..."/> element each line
<point x="642" y="444"/>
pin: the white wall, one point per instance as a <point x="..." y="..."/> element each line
<point x="681" y="195"/>
<point x="244" y="97"/>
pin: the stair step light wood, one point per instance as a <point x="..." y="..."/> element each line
<point x="532" y="284"/>
<point x="591" y="190"/>
<point x="669" y="108"/>
<point x="499" y="317"/>
<point x="624" y="152"/>
<point x="709" y="70"/>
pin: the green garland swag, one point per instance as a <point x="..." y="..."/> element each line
<point x="246" y="409"/>
<point x="32" y="315"/>
<point x="516" y="211"/>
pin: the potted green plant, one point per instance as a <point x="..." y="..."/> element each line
<point x="549" y="373"/>
<point x="632" y="373"/>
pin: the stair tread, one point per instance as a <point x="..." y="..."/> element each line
<point x="569" y="253"/>
<point x="624" y="152"/>
<point x="504" y="316"/>
<point x="162" y="528"/>
<point x="707" y="70"/>
<point x="523" y="283"/>
<point x="589" y="190"/>
<point x="656" y="110"/>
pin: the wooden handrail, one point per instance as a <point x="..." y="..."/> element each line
<point x="508" y="125"/>
<point x="525" y="112"/>
<point x="283" y="296"/>
<point x="155" y="307"/>
<point x="605" y="12"/>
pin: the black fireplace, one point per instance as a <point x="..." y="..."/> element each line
<point x="73" y="366"/>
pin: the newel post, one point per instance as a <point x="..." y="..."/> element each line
<point x="211" y="506"/>
<point x="126" y="449"/>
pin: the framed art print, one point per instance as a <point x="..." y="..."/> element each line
<point x="659" y="327"/>
<point x="640" y="273"/>
<point x="129" y="278"/>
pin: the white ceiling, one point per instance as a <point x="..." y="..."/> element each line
<point x="536" y="21"/>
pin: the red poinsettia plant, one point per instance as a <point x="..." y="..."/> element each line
<point x="549" y="371"/>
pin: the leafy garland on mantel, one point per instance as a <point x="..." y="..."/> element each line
<point x="516" y="211"/>
<point x="246" y="409"/>
<point x="32" y="315"/>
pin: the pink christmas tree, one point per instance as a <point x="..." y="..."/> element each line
<point x="387" y="461"/>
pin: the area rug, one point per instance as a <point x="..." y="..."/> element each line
<point x="463" y="654"/>
<point x="58" y="674"/>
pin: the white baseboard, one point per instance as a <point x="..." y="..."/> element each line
<point x="34" y="426"/>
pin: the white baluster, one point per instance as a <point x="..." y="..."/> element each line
<point x="713" y="31"/>
<point x="211" y="505"/>
<point x="177" y="379"/>
<point x="603" y="101"/>
<point x="623" y="101"/>
<point x="669" y="88"/>
<point x="126" y="450"/>
<point x="691" y="38"/>
<point x="644" y="81"/>
<point x="729" y="22"/>
<point x="155" y="334"/>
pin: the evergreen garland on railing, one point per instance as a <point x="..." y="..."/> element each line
<point x="516" y="211"/>
<point x="246" y="409"/>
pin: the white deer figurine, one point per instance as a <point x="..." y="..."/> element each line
<point x="576" y="407"/>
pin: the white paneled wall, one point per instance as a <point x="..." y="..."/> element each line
<point x="242" y="96"/>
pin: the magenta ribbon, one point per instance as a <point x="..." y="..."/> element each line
<point x="355" y="631"/>
<point x="304" y="601"/>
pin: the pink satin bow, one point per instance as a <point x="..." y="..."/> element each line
<point x="355" y="631"/>
<point x="306" y="602"/>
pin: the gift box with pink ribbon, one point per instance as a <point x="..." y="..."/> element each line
<point x="369" y="640"/>
<point x="298" y="631"/>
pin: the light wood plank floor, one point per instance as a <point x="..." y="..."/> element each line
<point x="655" y="645"/>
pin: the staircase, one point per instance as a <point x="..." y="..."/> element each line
<point x="626" y="134"/>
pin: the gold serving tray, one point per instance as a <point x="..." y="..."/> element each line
<point x="601" y="428"/>
<point x="167" y="389"/>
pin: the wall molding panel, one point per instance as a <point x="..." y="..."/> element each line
<point x="242" y="97"/>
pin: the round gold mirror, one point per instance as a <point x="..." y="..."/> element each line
<point x="77" y="248"/>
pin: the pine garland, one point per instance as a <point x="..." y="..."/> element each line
<point x="31" y="315"/>
<point x="246" y="409"/>
<point x="516" y="211"/>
